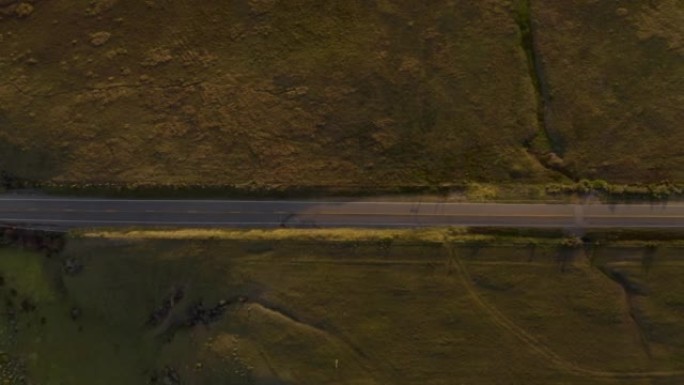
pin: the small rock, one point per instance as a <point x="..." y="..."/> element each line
<point x="27" y="305"/>
<point x="23" y="10"/>
<point x="157" y="56"/>
<point x="99" y="38"/>
<point x="178" y="294"/>
<point x="168" y="376"/>
<point x="72" y="266"/>
<point x="75" y="313"/>
<point x="554" y="161"/>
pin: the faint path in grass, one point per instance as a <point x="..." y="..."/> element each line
<point x="456" y="265"/>
<point x="334" y="337"/>
<point x="387" y="262"/>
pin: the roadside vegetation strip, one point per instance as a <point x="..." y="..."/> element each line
<point x="562" y="191"/>
<point x="434" y="236"/>
<point x="342" y="234"/>
<point x="429" y="235"/>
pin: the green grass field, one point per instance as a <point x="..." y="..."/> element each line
<point x="344" y="312"/>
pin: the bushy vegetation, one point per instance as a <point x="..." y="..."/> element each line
<point x="656" y="191"/>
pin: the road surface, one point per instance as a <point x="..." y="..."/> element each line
<point x="67" y="213"/>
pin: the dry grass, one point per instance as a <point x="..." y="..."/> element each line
<point x="335" y="235"/>
<point x="387" y="237"/>
<point x="347" y="93"/>
<point x="616" y="78"/>
<point x="383" y="237"/>
<point x="381" y="93"/>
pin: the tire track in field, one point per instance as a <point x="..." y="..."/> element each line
<point x="456" y="264"/>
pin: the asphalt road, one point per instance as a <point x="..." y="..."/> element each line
<point x="80" y="212"/>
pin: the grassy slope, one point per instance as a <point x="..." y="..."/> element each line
<point x="403" y="315"/>
<point x="389" y="92"/>
<point x="617" y="85"/>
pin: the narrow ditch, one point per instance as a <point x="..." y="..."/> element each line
<point x="545" y="145"/>
<point x="630" y="290"/>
